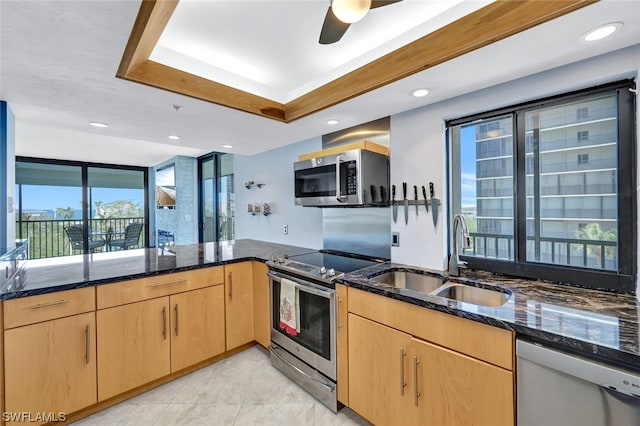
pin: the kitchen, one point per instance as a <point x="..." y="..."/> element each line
<point x="416" y="133"/>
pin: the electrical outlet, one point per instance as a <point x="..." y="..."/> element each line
<point x="285" y="229"/>
<point x="395" y="239"/>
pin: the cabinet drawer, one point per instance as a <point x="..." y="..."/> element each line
<point x="491" y="344"/>
<point x="131" y="291"/>
<point x="44" y="307"/>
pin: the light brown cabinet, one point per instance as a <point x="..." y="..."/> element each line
<point x="133" y="345"/>
<point x="50" y="367"/>
<point x="197" y="326"/>
<point x="397" y="378"/>
<point x="149" y="339"/>
<point x="261" y="305"/>
<point x="379" y="389"/>
<point x="342" y="345"/>
<point x="238" y="287"/>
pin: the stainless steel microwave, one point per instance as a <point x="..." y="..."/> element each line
<point x="352" y="178"/>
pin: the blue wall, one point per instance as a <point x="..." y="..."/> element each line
<point x="7" y="177"/>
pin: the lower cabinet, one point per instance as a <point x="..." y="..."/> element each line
<point x="50" y="367"/>
<point x="395" y="378"/>
<point x="379" y="389"/>
<point x="133" y="345"/>
<point x="261" y="304"/>
<point x="238" y="286"/>
<point x="144" y="341"/>
<point x="197" y="326"/>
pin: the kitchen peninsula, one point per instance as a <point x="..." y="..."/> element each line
<point x="120" y="287"/>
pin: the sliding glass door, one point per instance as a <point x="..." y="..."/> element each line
<point x="67" y="208"/>
<point x="217" y="198"/>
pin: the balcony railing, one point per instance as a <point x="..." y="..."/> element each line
<point x="47" y="238"/>
<point x="564" y="251"/>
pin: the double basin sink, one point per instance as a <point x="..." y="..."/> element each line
<point x="434" y="285"/>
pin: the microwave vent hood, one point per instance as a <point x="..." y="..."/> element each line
<point x="349" y="175"/>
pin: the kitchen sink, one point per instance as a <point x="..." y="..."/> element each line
<point x="401" y="279"/>
<point x="474" y="295"/>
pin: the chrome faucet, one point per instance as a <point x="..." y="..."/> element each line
<point x="454" y="262"/>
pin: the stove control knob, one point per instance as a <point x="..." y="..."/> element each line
<point x="331" y="272"/>
<point x="323" y="271"/>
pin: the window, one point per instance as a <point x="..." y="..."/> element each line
<point x="67" y="208"/>
<point x="583" y="159"/>
<point x="583" y="135"/>
<point x="551" y="205"/>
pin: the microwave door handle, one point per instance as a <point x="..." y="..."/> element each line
<point x="341" y="198"/>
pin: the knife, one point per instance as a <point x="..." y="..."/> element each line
<point x="426" y="202"/>
<point x="394" y="204"/>
<point x="415" y="196"/>
<point x="383" y="196"/>
<point x="434" y="204"/>
<point x="406" y="203"/>
<point x="373" y="194"/>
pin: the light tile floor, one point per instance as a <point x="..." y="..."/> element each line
<point x="240" y="390"/>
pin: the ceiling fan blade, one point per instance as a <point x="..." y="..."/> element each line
<point x="380" y="3"/>
<point x="332" y="29"/>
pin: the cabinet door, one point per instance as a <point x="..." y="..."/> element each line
<point x="238" y="286"/>
<point x="133" y="345"/>
<point x="261" y="304"/>
<point x="51" y="366"/>
<point x="197" y="326"/>
<point x="342" y="346"/>
<point x="379" y="385"/>
<point x="459" y="390"/>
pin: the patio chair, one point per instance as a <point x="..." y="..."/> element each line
<point x="131" y="237"/>
<point x="75" y="233"/>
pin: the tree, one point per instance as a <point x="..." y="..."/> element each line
<point x="117" y="209"/>
<point x="592" y="231"/>
<point x="64" y="213"/>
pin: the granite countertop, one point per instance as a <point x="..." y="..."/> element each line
<point x="69" y="272"/>
<point x="598" y="324"/>
<point x="593" y="323"/>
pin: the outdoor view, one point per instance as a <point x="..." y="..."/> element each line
<point x="50" y="208"/>
<point x="570" y="160"/>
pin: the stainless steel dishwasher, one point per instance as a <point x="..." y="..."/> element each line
<point x="555" y="388"/>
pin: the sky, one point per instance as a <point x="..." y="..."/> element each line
<point x="41" y="197"/>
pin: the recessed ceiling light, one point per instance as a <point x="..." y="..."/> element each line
<point x="227" y="146"/>
<point x="602" y="31"/>
<point x="98" y="124"/>
<point x="174" y="137"/>
<point x="418" y="93"/>
<point x="332" y="122"/>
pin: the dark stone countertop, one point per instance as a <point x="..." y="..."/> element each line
<point x="597" y="324"/>
<point x="69" y="272"/>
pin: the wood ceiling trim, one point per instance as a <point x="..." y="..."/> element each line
<point x="494" y="22"/>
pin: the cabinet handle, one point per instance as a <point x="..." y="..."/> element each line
<point x="168" y="283"/>
<point x="87" y="349"/>
<point x="176" y="308"/>
<point x="230" y="285"/>
<point x="44" y="305"/>
<point x="164" y="322"/>
<point x="402" y="382"/>
<point x="416" y="394"/>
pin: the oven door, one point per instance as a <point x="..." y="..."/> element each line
<point x="328" y="181"/>
<point x="315" y="344"/>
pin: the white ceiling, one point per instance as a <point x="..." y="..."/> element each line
<point x="59" y="60"/>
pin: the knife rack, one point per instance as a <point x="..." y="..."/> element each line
<point x="419" y="202"/>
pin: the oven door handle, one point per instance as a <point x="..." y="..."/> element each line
<point x="307" y="287"/>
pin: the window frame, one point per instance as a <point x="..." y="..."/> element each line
<point x="84" y="166"/>
<point x="624" y="279"/>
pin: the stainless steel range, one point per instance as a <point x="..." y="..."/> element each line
<point x="307" y="353"/>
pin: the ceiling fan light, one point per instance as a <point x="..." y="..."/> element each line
<point x="350" y="11"/>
